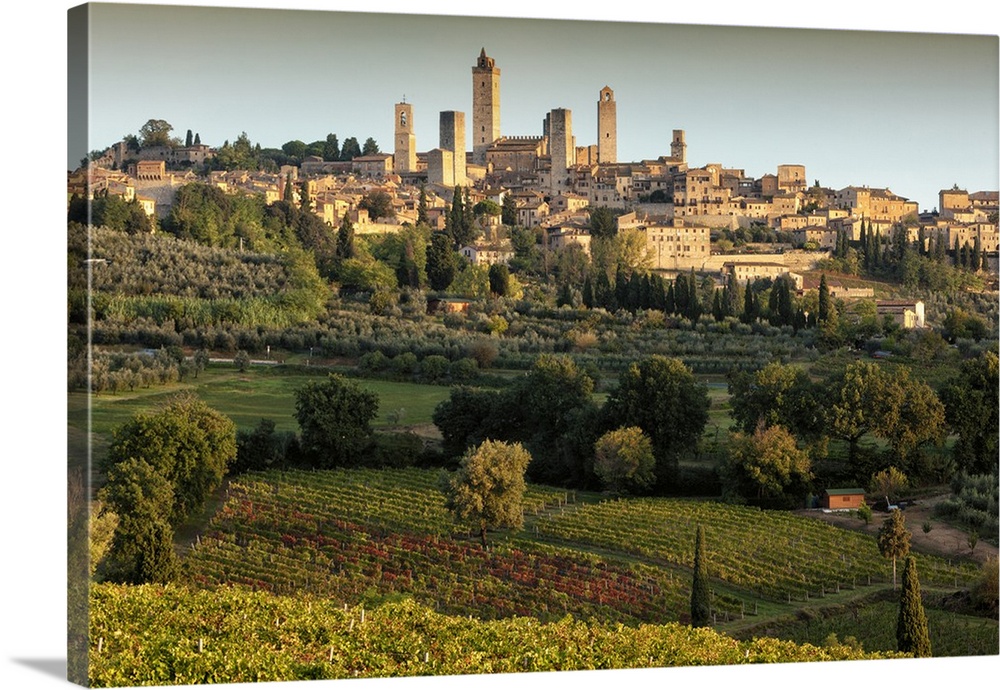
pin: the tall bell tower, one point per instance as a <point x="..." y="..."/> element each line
<point x="607" y="127"/>
<point x="485" y="106"/>
<point x="404" y="159"/>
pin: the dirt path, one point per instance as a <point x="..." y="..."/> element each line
<point x="943" y="539"/>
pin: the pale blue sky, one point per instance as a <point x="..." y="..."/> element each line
<point x="914" y="112"/>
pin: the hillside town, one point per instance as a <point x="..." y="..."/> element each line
<point x="553" y="183"/>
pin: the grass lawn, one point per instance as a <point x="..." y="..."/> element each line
<point x="250" y="396"/>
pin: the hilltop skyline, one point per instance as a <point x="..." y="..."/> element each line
<point x="846" y="105"/>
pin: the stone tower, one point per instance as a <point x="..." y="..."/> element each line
<point x="562" y="149"/>
<point x="452" y="138"/>
<point x="485" y="106"/>
<point x="405" y="154"/>
<point x="607" y="127"/>
<point x="678" y="149"/>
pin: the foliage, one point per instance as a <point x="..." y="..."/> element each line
<point x="889" y="483"/>
<point x="499" y="277"/>
<point x="262" y="448"/>
<point x="985" y="594"/>
<point x="661" y="396"/>
<point x="441" y="262"/>
<point x="894" y="539"/>
<point x="911" y="628"/>
<point x="623" y="460"/>
<point x="258" y="637"/>
<point x="488" y="487"/>
<point x="186" y="442"/>
<point x="701" y="604"/>
<point x="777" y="394"/>
<point x="155" y="133"/>
<point x="972" y="410"/>
<point x="973" y="504"/>
<point x="111" y="212"/>
<point x="869" y="399"/>
<point x="334" y="417"/>
<point x="767" y="467"/>
<point x="378" y="203"/>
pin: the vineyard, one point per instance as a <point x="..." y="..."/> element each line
<point x="368" y="535"/>
<point x="775" y="555"/>
<point x="156" y="635"/>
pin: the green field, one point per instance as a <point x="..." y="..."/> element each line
<point x="248" y="397"/>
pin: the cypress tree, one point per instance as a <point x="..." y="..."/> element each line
<point x="977" y="254"/>
<point x="824" y="300"/>
<point x="749" y="308"/>
<point x="701" y="607"/>
<point x="669" y="300"/>
<point x="911" y="627"/>
<point x="588" y="293"/>
<point x="422" y="217"/>
<point x="717" y="309"/>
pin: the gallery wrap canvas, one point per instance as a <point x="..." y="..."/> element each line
<point x="449" y="347"/>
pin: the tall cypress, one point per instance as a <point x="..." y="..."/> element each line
<point x="824" y="300"/>
<point x="911" y="628"/>
<point x="701" y="606"/>
<point x="588" y="293"/>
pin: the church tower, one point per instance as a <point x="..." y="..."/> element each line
<point x="607" y="127"/>
<point x="485" y="106"/>
<point x="678" y="147"/>
<point x="405" y="155"/>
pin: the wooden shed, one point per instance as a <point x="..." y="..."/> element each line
<point x="843" y="499"/>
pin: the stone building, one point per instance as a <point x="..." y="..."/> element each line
<point x="485" y="106"/>
<point x="677" y="245"/>
<point x="405" y="156"/>
<point x="875" y="204"/>
<point x="607" y="127"/>
<point x="441" y="168"/>
<point x="451" y="130"/>
<point x="792" y="179"/>
<point x="517" y="154"/>
<point x="908" y="314"/>
<point x="562" y="149"/>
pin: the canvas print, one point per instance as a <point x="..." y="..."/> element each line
<point x="420" y="345"/>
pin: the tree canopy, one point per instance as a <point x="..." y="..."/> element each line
<point x="187" y="443"/>
<point x="334" y="417"/>
<point x="767" y="467"/>
<point x="488" y="487"/>
<point x="972" y="411"/>
<point x="661" y="396"/>
<point x="624" y="462"/>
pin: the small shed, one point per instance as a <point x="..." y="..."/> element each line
<point x="448" y="305"/>
<point x="843" y="499"/>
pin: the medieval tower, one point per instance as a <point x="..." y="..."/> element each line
<point x="452" y="138"/>
<point x="678" y="149"/>
<point x="607" y="127"/>
<point x="485" y="106"/>
<point x="562" y="148"/>
<point x="405" y="155"/>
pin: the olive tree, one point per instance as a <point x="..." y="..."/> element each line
<point x="623" y="460"/>
<point x="488" y="488"/>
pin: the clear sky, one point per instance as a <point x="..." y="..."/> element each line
<point x="914" y="112"/>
